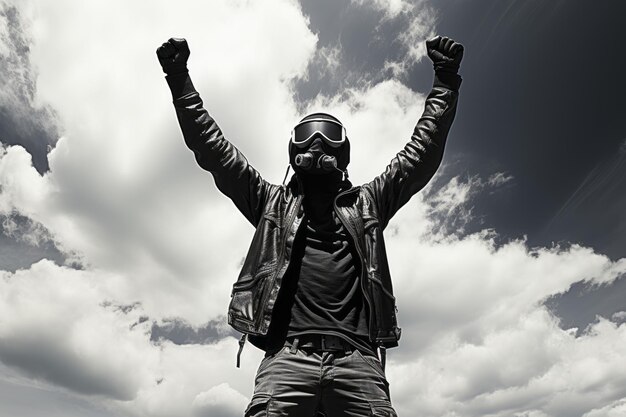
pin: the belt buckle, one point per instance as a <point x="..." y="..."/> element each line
<point x="323" y="344"/>
<point x="330" y="343"/>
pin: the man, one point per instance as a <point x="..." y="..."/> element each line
<point x="315" y="291"/>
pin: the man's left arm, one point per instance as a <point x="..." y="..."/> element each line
<point x="413" y="167"/>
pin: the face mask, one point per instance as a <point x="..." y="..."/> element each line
<point x="319" y="145"/>
<point x="317" y="159"/>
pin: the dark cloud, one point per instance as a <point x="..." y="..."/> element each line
<point x="54" y="363"/>
<point x="24" y="242"/>
<point x="180" y="332"/>
<point x="21" y="121"/>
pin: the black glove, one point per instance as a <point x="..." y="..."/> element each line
<point x="445" y="53"/>
<point x="173" y="56"/>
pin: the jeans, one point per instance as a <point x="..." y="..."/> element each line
<point x="311" y="383"/>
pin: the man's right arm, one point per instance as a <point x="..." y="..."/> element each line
<point x="413" y="167"/>
<point x="233" y="175"/>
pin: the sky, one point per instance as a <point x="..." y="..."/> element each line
<point x="117" y="252"/>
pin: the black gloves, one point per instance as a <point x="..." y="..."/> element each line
<point x="445" y="53"/>
<point x="173" y="56"/>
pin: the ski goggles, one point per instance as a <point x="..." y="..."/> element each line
<point x="332" y="133"/>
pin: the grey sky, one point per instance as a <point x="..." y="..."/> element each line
<point x="541" y="102"/>
<point x="544" y="102"/>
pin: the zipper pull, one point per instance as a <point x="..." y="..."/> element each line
<point x="242" y="341"/>
<point x="383" y="356"/>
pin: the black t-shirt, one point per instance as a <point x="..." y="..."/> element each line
<point x="321" y="292"/>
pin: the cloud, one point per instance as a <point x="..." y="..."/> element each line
<point x="63" y="329"/>
<point x="180" y="332"/>
<point x="499" y="178"/>
<point x="23" y="120"/>
<point x="477" y="353"/>
<point x="124" y="192"/>
<point x="615" y="409"/>
<point x="477" y="339"/>
<point x="125" y="199"/>
<point x="60" y="332"/>
<point x="24" y="229"/>
<point x="362" y="43"/>
<point x="160" y="248"/>
<point x="416" y="21"/>
<point x="220" y="400"/>
<point x="391" y="7"/>
<point x="619" y="316"/>
<point x="188" y="379"/>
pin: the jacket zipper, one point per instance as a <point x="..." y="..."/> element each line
<point x="280" y="261"/>
<point x="361" y="257"/>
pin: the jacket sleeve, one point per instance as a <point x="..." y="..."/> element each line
<point x="232" y="173"/>
<point x="413" y="167"/>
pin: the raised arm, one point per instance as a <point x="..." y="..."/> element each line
<point x="413" y="167"/>
<point x="232" y="173"/>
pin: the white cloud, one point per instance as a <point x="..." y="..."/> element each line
<point x="476" y="337"/>
<point x="27" y="231"/>
<point x="615" y="409"/>
<point x="62" y="328"/>
<point x="420" y="29"/>
<point x="60" y="331"/>
<point x="127" y="197"/>
<point x="220" y="400"/>
<point x="420" y="18"/>
<point x="619" y="316"/>
<point x="152" y="229"/>
<point x="379" y="119"/>
<point x="499" y="178"/>
<point x="123" y="189"/>
<point x="392" y="8"/>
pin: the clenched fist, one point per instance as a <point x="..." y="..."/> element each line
<point x="173" y="56"/>
<point x="445" y="53"/>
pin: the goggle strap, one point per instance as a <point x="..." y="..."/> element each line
<point x="286" y="173"/>
<point x="319" y="120"/>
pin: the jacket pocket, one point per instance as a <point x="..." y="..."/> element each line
<point x="247" y="283"/>
<point x="246" y="295"/>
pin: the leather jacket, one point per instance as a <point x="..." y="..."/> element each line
<point x="276" y="210"/>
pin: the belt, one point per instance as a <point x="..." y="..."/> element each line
<point x="319" y="343"/>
